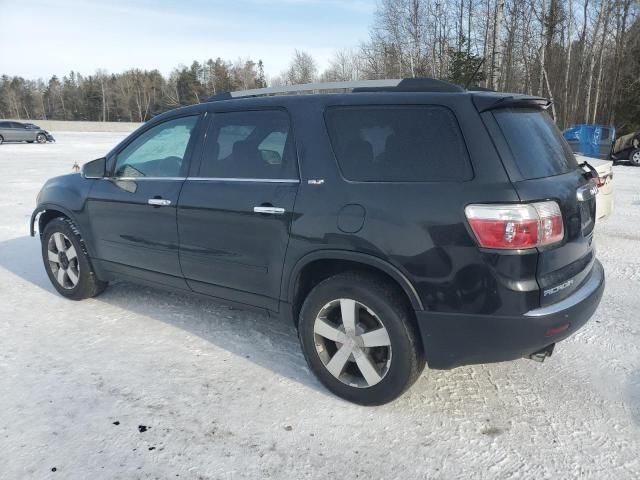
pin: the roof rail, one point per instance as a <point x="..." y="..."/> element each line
<point x="386" y="85"/>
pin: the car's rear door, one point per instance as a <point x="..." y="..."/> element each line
<point x="235" y="209"/>
<point x="542" y="166"/>
<point x="11" y="132"/>
<point x="133" y="212"/>
<point x="5" y="131"/>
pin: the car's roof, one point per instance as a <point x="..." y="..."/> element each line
<point x="483" y="99"/>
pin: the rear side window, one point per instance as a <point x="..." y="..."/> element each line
<point x="250" y="145"/>
<point x="398" y="144"/>
<point x="538" y="147"/>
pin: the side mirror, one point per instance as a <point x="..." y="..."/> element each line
<point x="94" y="168"/>
<point x="271" y="157"/>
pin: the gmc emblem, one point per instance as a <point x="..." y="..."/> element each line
<point x="556" y="289"/>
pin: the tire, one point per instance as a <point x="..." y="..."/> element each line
<point x="1" y="140"/>
<point x="634" y="157"/>
<point x="70" y="273"/>
<point x="41" y="138"/>
<point x="375" y="303"/>
<point x="29" y="141"/>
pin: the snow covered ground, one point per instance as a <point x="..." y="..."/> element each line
<point x="225" y="394"/>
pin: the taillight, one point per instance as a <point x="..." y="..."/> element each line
<point x="602" y="181"/>
<point x="516" y="226"/>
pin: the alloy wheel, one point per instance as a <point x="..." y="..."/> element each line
<point x="635" y="158"/>
<point x="352" y="343"/>
<point x="41" y="138"/>
<point x="63" y="260"/>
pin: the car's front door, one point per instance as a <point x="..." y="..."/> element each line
<point x="133" y="212"/>
<point x="22" y="133"/>
<point x="235" y="210"/>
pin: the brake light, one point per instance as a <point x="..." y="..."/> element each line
<point x="516" y="226"/>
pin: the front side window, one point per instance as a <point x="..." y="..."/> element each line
<point x="394" y="143"/>
<point x="250" y="145"/>
<point x="158" y="152"/>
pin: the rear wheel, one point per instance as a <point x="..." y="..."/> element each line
<point x="1" y="139"/>
<point x="41" y="138"/>
<point x="66" y="262"/>
<point x="358" y="337"/>
<point x="634" y="157"/>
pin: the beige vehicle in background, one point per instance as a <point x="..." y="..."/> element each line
<point x="604" y="200"/>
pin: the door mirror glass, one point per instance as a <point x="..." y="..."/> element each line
<point x="94" y="168"/>
<point x="271" y="157"/>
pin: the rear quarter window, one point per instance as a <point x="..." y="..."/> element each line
<point x="538" y="148"/>
<point x="421" y="143"/>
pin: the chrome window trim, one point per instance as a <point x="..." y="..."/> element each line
<point x="245" y="180"/>
<point x="135" y="179"/>
<point x="207" y="179"/>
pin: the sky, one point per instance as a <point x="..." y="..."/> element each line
<point x="39" y="38"/>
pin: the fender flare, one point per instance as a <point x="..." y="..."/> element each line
<point x="358" y="257"/>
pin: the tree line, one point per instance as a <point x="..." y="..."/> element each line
<point x="133" y="96"/>
<point x="584" y="55"/>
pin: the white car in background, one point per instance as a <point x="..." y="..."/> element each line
<point x="604" y="200"/>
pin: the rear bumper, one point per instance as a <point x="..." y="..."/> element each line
<point x="452" y="340"/>
<point x="604" y="205"/>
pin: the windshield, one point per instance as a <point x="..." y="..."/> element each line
<point x="538" y="147"/>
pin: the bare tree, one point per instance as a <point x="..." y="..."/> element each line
<point x="302" y="69"/>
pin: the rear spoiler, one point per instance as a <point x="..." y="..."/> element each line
<point x="489" y="102"/>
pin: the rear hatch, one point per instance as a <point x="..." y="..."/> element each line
<point x="541" y="167"/>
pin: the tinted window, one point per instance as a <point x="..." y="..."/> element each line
<point x="158" y="152"/>
<point x="398" y="143"/>
<point x="538" y="147"/>
<point x="4" y="125"/>
<point x="17" y="125"/>
<point x="255" y="144"/>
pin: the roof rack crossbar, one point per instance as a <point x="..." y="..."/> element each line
<point x="310" y="87"/>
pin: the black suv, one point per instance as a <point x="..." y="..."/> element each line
<point x="401" y="222"/>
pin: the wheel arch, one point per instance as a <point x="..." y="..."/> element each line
<point x="317" y="266"/>
<point x="45" y="213"/>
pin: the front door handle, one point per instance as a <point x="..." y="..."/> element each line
<point x="269" y="210"/>
<point x="159" y="202"/>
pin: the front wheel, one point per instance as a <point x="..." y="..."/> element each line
<point x="358" y="338"/>
<point x="634" y="158"/>
<point x="66" y="262"/>
<point x="41" y="138"/>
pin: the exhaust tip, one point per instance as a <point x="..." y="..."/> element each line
<point x="542" y="354"/>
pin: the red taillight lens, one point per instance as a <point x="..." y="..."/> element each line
<point x="516" y="226"/>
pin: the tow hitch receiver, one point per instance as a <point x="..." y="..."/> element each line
<point x="541" y="354"/>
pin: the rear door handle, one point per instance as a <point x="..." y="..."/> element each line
<point x="269" y="210"/>
<point x="160" y="202"/>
